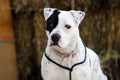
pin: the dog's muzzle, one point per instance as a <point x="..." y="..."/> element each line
<point x="55" y="38"/>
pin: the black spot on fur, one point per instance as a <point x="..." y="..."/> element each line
<point x="52" y="21"/>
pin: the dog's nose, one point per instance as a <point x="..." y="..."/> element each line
<point x="55" y="38"/>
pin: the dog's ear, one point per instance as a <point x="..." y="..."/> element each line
<point x="48" y="12"/>
<point x="78" y="16"/>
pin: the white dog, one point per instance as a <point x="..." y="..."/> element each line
<point x="66" y="57"/>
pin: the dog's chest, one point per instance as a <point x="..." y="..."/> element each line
<point x="53" y="72"/>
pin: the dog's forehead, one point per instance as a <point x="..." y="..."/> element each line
<point x="66" y="17"/>
<point x="65" y="14"/>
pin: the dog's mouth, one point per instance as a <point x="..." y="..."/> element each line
<point x="54" y="44"/>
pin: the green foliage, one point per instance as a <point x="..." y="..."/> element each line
<point x="107" y="56"/>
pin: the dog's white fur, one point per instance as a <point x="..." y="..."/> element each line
<point x="70" y="43"/>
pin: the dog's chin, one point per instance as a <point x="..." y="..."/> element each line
<point x="59" y="48"/>
<point x="55" y="45"/>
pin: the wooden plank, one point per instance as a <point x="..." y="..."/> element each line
<point x="8" y="65"/>
<point x="8" y="68"/>
<point x="6" y="30"/>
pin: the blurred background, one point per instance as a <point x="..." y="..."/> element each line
<point x="100" y="30"/>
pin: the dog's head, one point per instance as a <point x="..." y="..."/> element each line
<point x="62" y="28"/>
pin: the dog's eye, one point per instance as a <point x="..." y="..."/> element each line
<point x="68" y="26"/>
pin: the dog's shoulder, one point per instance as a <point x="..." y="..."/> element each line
<point x="95" y="65"/>
<point x="92" y="54"/>
<point x="93" y="57"/>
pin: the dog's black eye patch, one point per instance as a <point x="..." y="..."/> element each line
<point x="52" y="21"/>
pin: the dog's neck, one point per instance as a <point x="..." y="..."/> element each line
<point x="64" y="55"/>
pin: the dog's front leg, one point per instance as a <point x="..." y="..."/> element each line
<point x="97" y="71"/>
